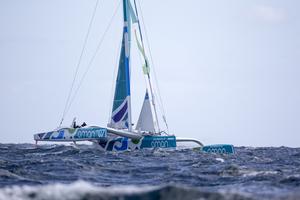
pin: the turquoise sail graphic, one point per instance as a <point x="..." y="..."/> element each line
<point x="120" y="103"/>
<point x="121" y="111"/>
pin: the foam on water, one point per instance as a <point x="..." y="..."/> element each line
<point x="81" y="190"/>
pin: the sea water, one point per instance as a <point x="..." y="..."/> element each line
<point x="85" y="172"/>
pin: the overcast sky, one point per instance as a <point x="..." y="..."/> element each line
<point x="228" y="71"/>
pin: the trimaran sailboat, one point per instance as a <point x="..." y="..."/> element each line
<point x="120" y="135"/>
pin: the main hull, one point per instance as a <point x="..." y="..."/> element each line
<point x="146" y="142"/>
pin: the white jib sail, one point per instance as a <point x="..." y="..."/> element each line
<point x="145" y="121"/>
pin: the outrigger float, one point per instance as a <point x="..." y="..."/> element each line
<point x="120" y="133"/>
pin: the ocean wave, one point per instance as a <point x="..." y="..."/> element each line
<point x="82" y="190"/>
<point x="270" y="173"/>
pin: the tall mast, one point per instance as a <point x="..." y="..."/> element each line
<point x="127" y="54"/>
<point x="148" y="74"/>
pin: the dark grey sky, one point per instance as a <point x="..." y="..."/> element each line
<point x="228" y="71"/>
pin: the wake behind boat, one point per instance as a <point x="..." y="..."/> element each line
<point x="121" y="134"/>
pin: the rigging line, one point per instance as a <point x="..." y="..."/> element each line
<point x="79" y="62"/>
<point x="153" y="67"/>
<point x="94" y="55"/>
<point x="148" y="75"/>
<point x="142" y="60"/>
